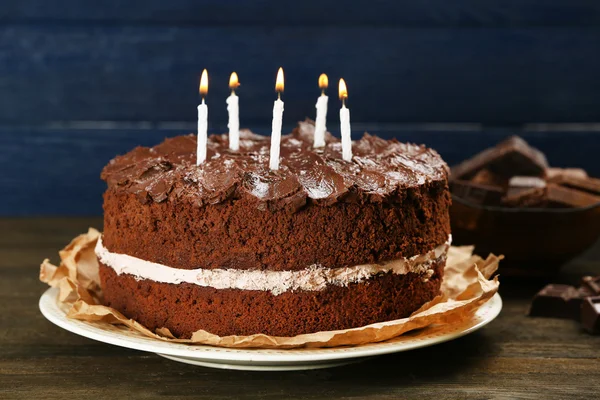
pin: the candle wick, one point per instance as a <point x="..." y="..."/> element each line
<point x="278" y="95"/>
<point x="323" y="92"/>
<point x="233" y="92"/>
<point x="203" y="100"/>
<point x="344" y="102"/>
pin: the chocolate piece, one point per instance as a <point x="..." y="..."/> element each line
<point x="563" y="196"/>
<point x="589" y="185"/>
<point x="508" y="158"/>
<point x="477" y="193"/>
<point x="591" y="283"/>
<point x="557" y="301"/>
<point x="590" y="314"/>
<point x="514" y="193"/>
<point x="526" y="182"/>
<point x="525" y="191"/>
<point x="561" y="173"/>
<point x="486" y="177"/>
<point x="525" y="197"/>
<point x="552" y="195"/>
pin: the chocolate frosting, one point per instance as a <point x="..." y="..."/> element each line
<point x="379" y="168"/>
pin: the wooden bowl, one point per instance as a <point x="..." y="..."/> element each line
<point x="535" y="241"/>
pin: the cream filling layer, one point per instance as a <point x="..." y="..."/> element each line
<point x="312" y="278"/>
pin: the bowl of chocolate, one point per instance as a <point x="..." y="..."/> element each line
<point x="508" y="200"/>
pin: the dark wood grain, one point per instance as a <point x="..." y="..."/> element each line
<point x="330" y="12"/>
<point x="61" y="164"/>
<point x="495" y="76"/>
<point x="513" y="357"/>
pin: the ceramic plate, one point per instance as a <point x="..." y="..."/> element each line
<point x="259" y="359"/>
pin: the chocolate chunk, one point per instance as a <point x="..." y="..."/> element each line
<point x="589" y="185"/>
<point x="591" y="283"/>
<point x="516" y="192"/>
<point x="508" y="158"/>
<point x="477" y="193"/>
<point x="525" y="191"/>
<point x="558" y="301"/>
<point x="552" y="195"/>
<point x="526" y="182"/>
<point x="561" y="173"/>
<point x="486" y="177"/>
<point x="567" y="197"/>
<point x="590" y="314"/>
<point x="525" y="197"/>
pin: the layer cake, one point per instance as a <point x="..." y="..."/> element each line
<point x="234" y="248"/>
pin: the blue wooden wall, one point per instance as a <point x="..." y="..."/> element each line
<point x="81" y="81"/>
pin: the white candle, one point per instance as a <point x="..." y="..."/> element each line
<point x="276" y="134"/>
<point x="345" y="123"/>
<point x="345" y="128"/>
<point x="202" y="121"/>
<point x="202" y="132"/>
<point x="234" y="114"/>
<point x="276" y="124"/>
<point x="321" y="120"/>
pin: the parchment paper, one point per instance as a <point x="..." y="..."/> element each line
<point x="466" y="286"/>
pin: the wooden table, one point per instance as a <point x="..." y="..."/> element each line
<point x="513" y="357"/>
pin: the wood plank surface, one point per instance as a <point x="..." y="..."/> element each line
<point x="489" y="75"/>
<point x="513" y="357"/>
<point x="317" y="12"/>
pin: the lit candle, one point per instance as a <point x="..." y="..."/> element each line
<point x="234" y="114"/>
<point x="320" y="128"/>
<point x="276" y="125"/>
<point x="202" y="120"/>
<point x="345" y="123"/>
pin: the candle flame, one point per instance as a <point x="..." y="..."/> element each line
<point x="279" y="81"/>
<point x="204" y="83"/>
<point x="323" y="82"/>
<point x="342" y="90"/>
<point x="234" y="83"/>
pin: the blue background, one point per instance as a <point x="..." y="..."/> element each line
<point x="81" y="81"/>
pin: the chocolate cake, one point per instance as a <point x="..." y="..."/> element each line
<point x="234" y="248"/>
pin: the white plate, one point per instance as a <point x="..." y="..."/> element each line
<point x="259" y="359"/>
